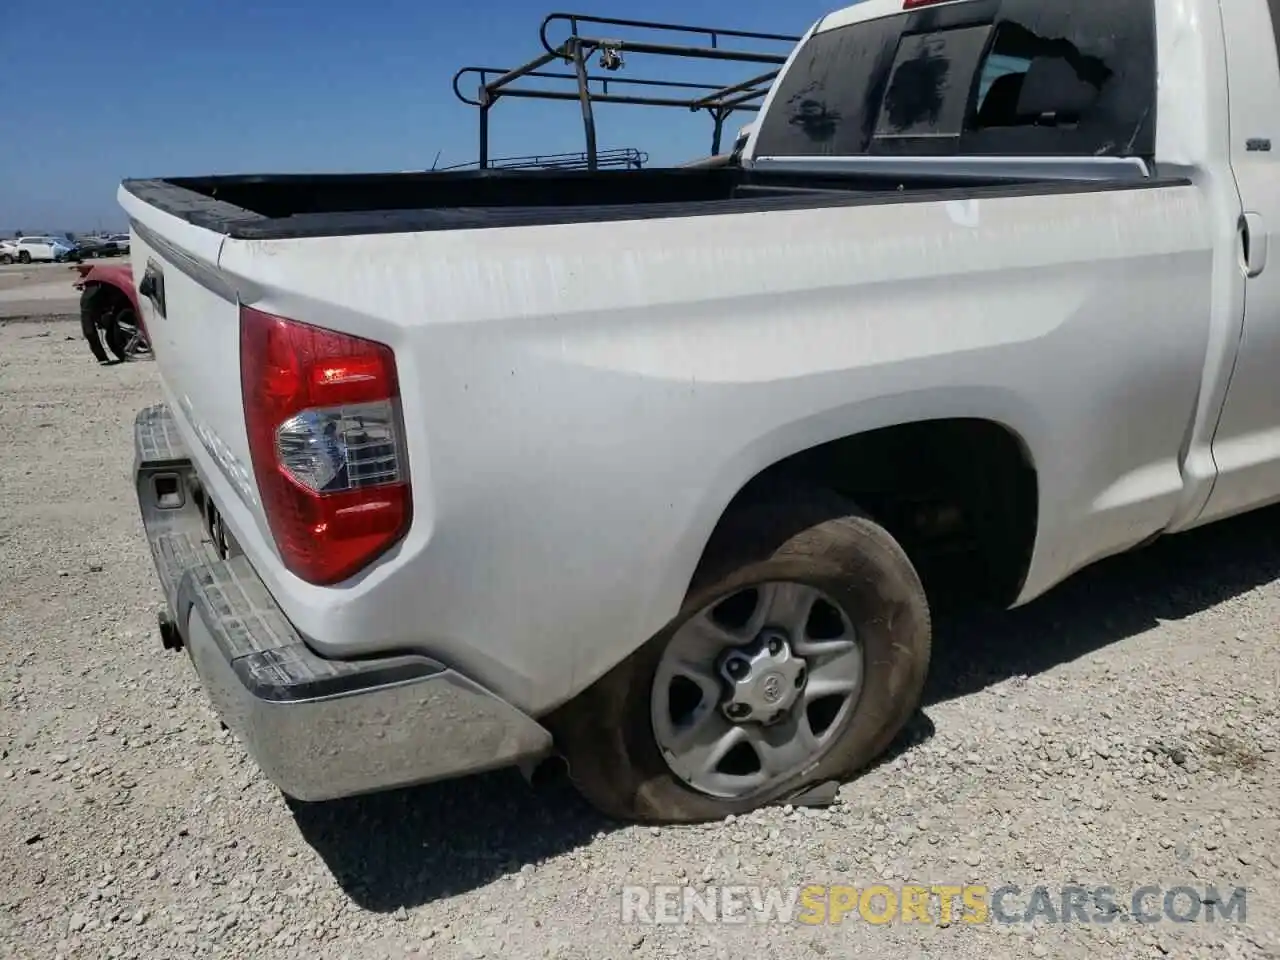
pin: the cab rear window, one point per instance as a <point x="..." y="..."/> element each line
<point x="1008" y="77"/>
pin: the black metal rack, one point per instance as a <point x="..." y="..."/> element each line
<point x="719" y="101"/>
<point x="627" y="157"/>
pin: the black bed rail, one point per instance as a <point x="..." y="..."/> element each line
<point x="720" y="101"/>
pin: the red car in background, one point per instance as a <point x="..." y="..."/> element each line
<point x="109" y="314"/>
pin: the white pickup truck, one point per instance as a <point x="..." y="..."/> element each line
<point x="655" y="470"/>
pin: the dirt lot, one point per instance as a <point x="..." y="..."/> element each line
<point x="1119" y="733"/>
<point x="37" y="290"/>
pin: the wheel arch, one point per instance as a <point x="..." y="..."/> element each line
<point x="891" y="467"/>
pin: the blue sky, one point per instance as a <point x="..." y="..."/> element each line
<point x="100" y="90"/>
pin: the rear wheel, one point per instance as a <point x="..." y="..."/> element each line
<point x="799" y="654"/>
<point x="109" y="323"/>
<point x="24" y="256"/>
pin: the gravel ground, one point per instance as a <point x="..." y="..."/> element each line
<point x="35" y="291"/>
<point x="1119" y="732"/>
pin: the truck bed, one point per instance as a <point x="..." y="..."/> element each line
<point x="264" y="207"/>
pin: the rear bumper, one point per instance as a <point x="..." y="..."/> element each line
<point x="318" y="728"/>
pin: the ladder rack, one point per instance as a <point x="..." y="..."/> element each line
<point x="588" y="88"/>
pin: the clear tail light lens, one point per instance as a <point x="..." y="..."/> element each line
<point x="325" y="435"/>
<point x="342" y="448"/>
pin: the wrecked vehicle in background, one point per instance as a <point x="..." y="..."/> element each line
<point x="109" y="316"/>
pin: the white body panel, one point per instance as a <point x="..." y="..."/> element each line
<point x="1246" y="445"/>
<point x="583" y="400"/>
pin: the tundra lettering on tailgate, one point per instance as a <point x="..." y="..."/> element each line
<point x="227" y="461"/>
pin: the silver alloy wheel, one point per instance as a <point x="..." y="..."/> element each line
<point x="128" y="340"/>
<point x="135" y="344"/>
<point x="755" y="687"/>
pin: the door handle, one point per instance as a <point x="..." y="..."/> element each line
<point x="1253" y="244"/>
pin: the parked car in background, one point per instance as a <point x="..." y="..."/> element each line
<point x="46" y="250"/>
<point x="8" y="251"/>
<point x="90" y="247"/>
<point x="117" y="244"/>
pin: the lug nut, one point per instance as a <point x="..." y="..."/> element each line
<point x="738" y="710"/>
<point x="775" y="646"/>
<point x="737" y="668"/>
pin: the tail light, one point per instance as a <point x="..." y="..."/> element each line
<point x="322" y="413"/>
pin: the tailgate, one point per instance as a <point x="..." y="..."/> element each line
<point x="192" y="315"/>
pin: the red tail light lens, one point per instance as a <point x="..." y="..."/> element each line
<point x="322" y="413"/>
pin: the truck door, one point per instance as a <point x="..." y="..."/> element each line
<point x="1246" y="445"/>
